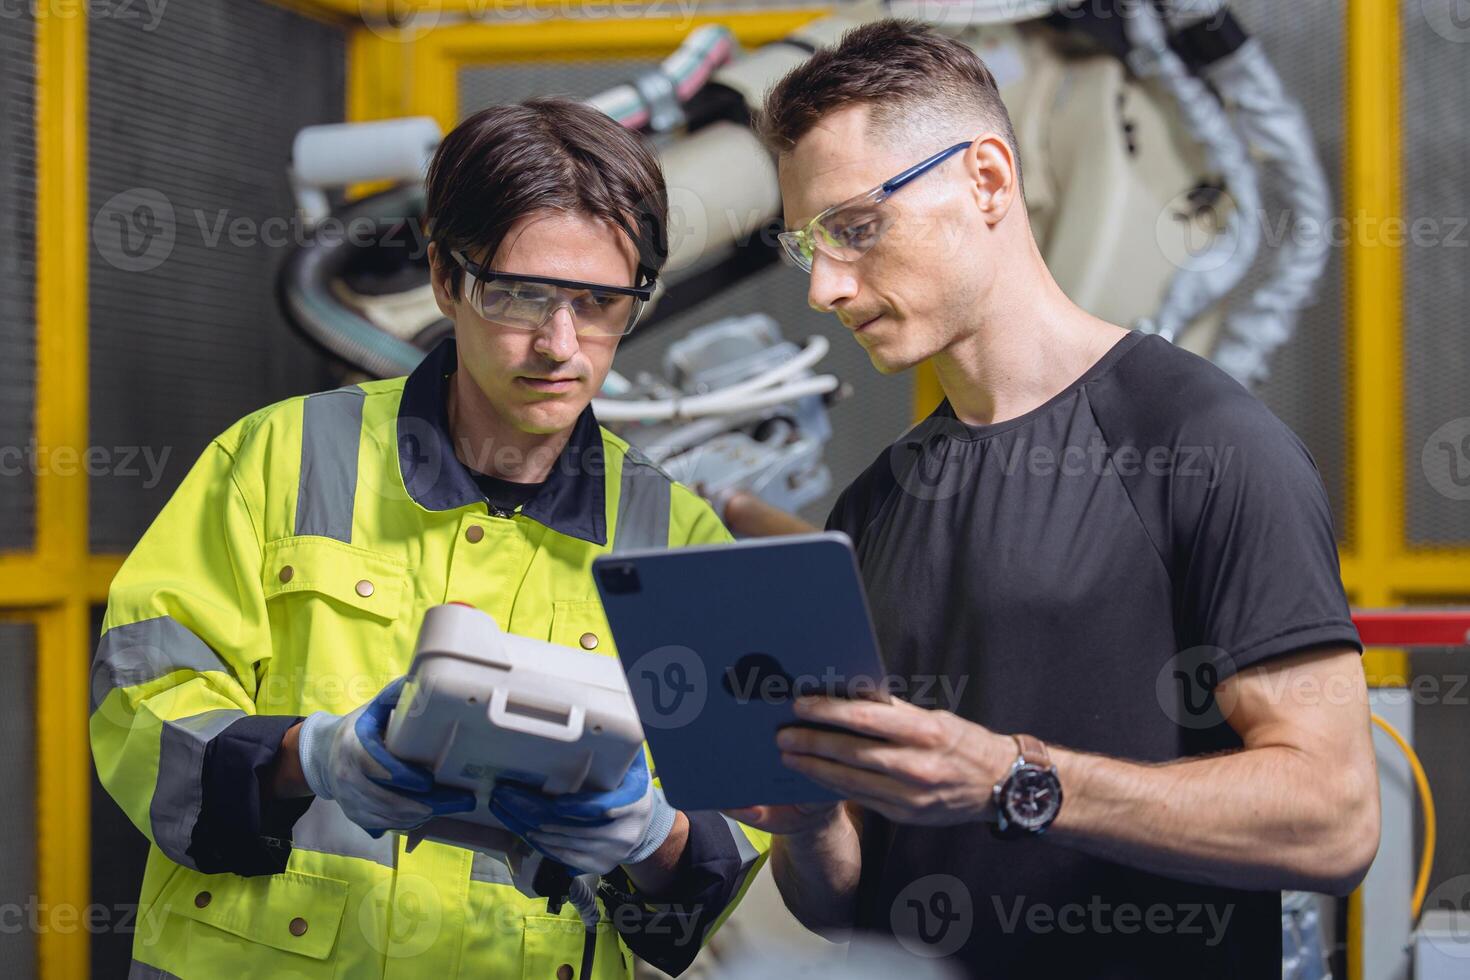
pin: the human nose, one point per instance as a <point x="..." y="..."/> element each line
<point x="832" y="282"/>
<point x="556" y="339"/>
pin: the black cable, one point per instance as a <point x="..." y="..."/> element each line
<point x="589" y="952"/>
<point x="1205" y="42"/>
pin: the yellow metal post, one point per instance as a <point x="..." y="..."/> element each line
<point x="62" y="640"/>
<point x="1373" y="180"/>
<point x="927" y="391"/>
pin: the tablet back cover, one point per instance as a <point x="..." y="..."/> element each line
<point x="717" y="640"/>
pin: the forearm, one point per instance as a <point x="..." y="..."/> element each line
<point x="1265" y="818"/>
<point x="658" y="873"/>
<point x="817" y="872"/>
<point x="747" y="514"/>
<point x="287" y="780"/>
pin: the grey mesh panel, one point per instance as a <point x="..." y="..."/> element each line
<point x="497" y="84"/>
<point x="331" y="429"/>
<point x="326" y="829"/>
<point x="1436" y="87"/>
<point x="1436" y="83"/>
<point x="202" y="110"/>
<point x="1307" y="387"/>
<point x="136" y="653"/>
<point x="177" y="795"/>
<point x="17" y="275"/>
<point x="18" y="776"/>
<point x="1442" y="739"/>
<point x="643" y="506"/>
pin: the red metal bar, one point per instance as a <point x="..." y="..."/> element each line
<point x="1413" y="628"/>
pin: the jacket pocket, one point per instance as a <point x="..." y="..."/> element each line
<point x="362" y="580"/>
<point x="341" y="620"/>
<point x="553" y="942"/>
<point x="292" y="912"/>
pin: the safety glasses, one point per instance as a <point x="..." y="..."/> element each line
<point x="527" y="302"/>
<point x="847" y="231"/>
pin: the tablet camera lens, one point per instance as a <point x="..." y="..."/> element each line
<point x="619" y="578"/>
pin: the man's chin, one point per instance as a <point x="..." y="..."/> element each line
<point x="891" y="360"/>
<point x="548" y="417"/>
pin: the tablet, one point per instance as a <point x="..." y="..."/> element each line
<point x="717" y="640"/>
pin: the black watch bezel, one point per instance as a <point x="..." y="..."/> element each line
<point x="1008" y="824"/>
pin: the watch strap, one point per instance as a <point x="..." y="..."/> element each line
<point x="1033" y="750"/>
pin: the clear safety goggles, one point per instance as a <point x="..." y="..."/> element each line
<point x="527" y="302"/>
<point x="847" y="231"/>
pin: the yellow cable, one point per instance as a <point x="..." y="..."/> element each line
<point x="1426" y="800"/>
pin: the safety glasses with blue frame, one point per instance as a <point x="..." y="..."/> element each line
<point x="847" y="231"/>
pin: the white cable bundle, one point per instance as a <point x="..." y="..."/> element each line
<point x="771" y="388"/>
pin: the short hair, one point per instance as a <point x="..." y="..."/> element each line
<point x="547" y="155"/>
<point x="909" y="74"/>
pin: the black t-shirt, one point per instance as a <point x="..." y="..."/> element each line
<point x="1085" y="573"/>
<point x="504" y="495"/>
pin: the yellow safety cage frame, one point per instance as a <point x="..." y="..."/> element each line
<point x="54" y="585"/>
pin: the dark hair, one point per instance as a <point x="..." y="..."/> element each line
<point x="543" y="155"/>
<point x="892" y="66"/>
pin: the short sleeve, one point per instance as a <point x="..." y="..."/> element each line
<point x="860" y="502"/>
<point x="1255" y="556"/>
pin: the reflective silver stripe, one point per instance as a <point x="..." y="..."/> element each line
<point x="136" y="653"/>
<point x="142" y="971"/>
<point x="643" y="505"/>
<point x="178" y="793"/>
<point x="325" y="829"/>
<point x="490" y="869"/>
<point x="748" y="858"/>
<point x="748" y="854"/>
<point x="331" y="427"/>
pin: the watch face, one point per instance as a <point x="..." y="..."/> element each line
<point x="1032" y="798"/>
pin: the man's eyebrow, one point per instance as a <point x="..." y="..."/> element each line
<point x="821" y="211"/>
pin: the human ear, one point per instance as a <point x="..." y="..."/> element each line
<point x="442" y="298"/>
<point x="991" y="165"/>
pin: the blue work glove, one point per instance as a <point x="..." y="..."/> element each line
<point x="589" y="832"/>
<point x="344" y="759"/>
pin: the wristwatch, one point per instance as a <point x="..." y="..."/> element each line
<point x="1029" y="796"/>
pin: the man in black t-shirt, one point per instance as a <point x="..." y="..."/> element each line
<point x="1130" y="706"/>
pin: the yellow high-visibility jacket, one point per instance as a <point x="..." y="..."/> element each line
<point x="288" y="574"/>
